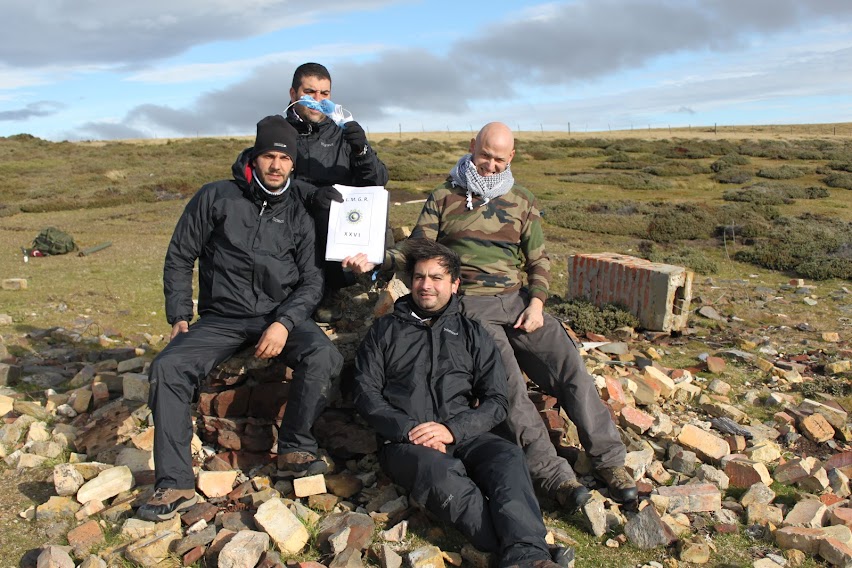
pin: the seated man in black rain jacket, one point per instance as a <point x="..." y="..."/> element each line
<point x="430" y="381"/>
<point x="258" y="283"/>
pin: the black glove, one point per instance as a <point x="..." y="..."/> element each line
<point x="321" y="199"/>
<point x="355" y="136"/>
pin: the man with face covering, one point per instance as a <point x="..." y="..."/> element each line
<point x="495" y="227"/>
<point x="328" y="155"/>
<point x="258" y="283"/>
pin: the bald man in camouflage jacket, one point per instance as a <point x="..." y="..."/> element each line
<point x="495" y="227"/>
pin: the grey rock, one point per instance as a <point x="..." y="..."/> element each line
<point x="243" y="550"/>
<point x="647" y="530"/>
<point x="54" y="557"/>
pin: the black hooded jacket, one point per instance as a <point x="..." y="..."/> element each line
<point x="255" y="253"/>
<point x="324" y="157"/>
<point x="408" y="373"/>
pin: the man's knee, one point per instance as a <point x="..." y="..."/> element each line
<point x="323" y="360"/>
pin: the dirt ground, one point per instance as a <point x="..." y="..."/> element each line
<point x="18" y="491"/>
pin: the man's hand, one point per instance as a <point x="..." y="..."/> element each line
<point x="531" y="318"/>
<point x="355" y="136"/>
<point x="358" y="264"/>
<point x="432" y="435"/>
<point x="272" y="341"/>
<point x="179" y="327"/>
<point x="323" y="196"/>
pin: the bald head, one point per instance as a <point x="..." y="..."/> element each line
<point x="492" y="149"/>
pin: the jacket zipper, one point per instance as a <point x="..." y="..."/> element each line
<point x="262" y="209"/>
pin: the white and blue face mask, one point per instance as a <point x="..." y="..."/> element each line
<point x="336" y="113"/>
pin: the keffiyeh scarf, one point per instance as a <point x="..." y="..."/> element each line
<point x="464" y="174"/>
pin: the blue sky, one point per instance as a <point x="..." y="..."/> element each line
<point x="92" y="69"/>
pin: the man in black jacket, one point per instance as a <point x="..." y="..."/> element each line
<point x="259" y="282"/>
<point x="329" y="154"/>
<point x="431" y="383"/>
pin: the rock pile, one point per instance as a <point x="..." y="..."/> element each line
<point x="710" y="457"/>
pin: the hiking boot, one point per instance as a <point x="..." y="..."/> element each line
<point x="298" y="464"/>
<point x="165" y="503"/>
<point x="572" y="495"/>
<point x="563" y="555"/>
<point x="621" y="486"/>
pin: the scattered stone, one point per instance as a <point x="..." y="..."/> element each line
<point x="707" y="445"/>
<point x="745" y="473"/>
<point x="151" y="550"/>
<point x="426" y="557"/>
<point x="759" y="492"/>
<point x="107" y="484"/>
<point x="54" y="557"/>
<point x="84" y="537"/>
<point x="285" y="529"/>
<point x="310" y="485"/>
<point x="646" y="530"/>
<point x="808" y="513"/>
<point x="815" y="427"/>
<point x="14" y="284"/>
<point x="216" y="483"/>
<point x="243" y="550"/>
<point x="695" y="550"/>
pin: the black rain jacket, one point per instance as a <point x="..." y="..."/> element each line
<point x="324" y="157"/>
<point x="408" y="373"/>
<point x="255" y="253"/>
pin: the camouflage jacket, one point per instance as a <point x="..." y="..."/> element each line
<point x="497" y="241"/>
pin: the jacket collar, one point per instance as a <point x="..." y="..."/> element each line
<point x="402" y="309"/>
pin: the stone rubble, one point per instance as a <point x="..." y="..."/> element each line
<point x="703" y="464"/>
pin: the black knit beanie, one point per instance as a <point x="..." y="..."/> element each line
<point x="275" y="133"/>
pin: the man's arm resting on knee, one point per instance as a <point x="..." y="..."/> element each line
<point x="272" y="342"/>
<point x="532" y="317"/>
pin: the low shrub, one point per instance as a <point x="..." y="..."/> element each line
<point x="690" y="258"/>
<point x="783" y="172"/>
<point x="672" y="169"/>
<point x="732" y="175"/>
<point x="812" y="246"/>
<point x="840" y="179"/>
<point x="729" y="161"/>
<point x="680" y="222"/>
<point x="637" y="180"/>
<point x="583" y="316"/>
<point x="605" y="218"/>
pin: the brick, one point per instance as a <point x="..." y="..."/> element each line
<point x="707" y="445"/>
<point x="795" y="470"/>
<point x="835" y="552"/>
<point x="216" y="483"/>
<point x="84" y="537"/>
<point x="635" y="419"/>
<point x="835" y="416"/>
<point x="311" y="485"/>
<point x="285" y="529"/>
<point x="745" y="473"/>
<point x="663" y="381"/>
<point x="807" y="513"/>
<point x="763" y="514"/>
<point x="808" y="540"/>
<point x="716" y="365"/>
<point x="204" y="510"/>
<point x="841" y="516"/>
<point x="647" y="392"/>
<point x="552" y="420"/>
<point x="815" y="427"/>
<point x="692" y="498"/>
<point x="233" y="402"/>
<point x="615" y="393"/>
<point x="100" y="394"/>
<point x="766" y="451"/>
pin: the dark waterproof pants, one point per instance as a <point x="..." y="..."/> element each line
<point x="481" y="486"/>
<point x="178" y="370"/>
<point x="551" y="360"/>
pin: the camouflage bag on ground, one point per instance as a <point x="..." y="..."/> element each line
<point x="52" y="241"/>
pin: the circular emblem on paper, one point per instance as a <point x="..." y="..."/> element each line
<point x="354" y="216"/>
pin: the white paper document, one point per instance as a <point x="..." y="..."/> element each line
<point x="358" y="224"/>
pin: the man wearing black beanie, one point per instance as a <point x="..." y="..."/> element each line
<point x="258" y="283"/>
